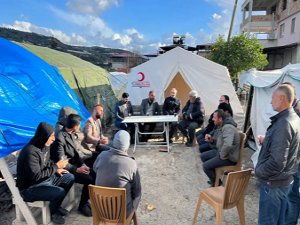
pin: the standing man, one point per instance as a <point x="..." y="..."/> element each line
<point x="192" y="117"/>
<point x="65" y="147"/>
<point x="293" y="209"/>
<point x="149" y="107"/>
<point x="277" y="160"/>
<point x="40" y="179"/>
<point x="171" y="107"/>
<point x="123" y="109"/>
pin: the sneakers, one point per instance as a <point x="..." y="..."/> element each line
<point x="57" y="218"/>
<point x="62" y="211"/>
<point x="85" y="210"/>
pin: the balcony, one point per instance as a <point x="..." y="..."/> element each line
<point x="259" y="24"/>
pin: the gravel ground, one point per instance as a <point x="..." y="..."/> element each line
<point x="171" y="183"/>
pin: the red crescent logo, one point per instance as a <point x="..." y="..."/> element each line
<point x="142" y="76"/>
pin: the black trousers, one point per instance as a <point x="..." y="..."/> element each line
<point x="85" y="179"/>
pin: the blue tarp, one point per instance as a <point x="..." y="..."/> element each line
<point x="31" y="91"/>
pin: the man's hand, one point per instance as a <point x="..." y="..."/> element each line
<point x="62" y="163"/>
<point x="83" y="169"/>
<point x="260" y="139"/>
<point x="208" y="138"/>
<point x="103" y="141"/>
<point x="62" y="171"/>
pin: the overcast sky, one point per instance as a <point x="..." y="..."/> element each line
<point x="136" y="25"/>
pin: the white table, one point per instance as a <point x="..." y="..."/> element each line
<point x="165" y="119"/>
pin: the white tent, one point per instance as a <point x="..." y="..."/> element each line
<point x="264" y="83"/>
<point x="118" y="82"/>
<point x="185" y="71"/>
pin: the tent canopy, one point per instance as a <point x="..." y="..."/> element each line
<point x="118" y="82"/>
<point x="90" y="82"/>
<point x="264" y="83"/>
<point x="31" y="91"/>
<point x="184" y="71"/>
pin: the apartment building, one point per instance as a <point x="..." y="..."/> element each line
<point x="276" y="23"/>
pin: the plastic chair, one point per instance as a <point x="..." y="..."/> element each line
<point x="236" y="167"/>
<point x="232" y="195"/>
<point x="109" y="206"/>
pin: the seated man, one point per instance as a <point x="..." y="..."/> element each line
<point x="227" y="149"/>
<point x="65" y="147"/>
<point x="203" y="144"/>
<point x="93" y="132"/>
<point x="123" y="109"/>
<point x="192" y="117"/>
<point x="149" y="107"/>
<point x="79" y="136"/>
<point x="224" y="99"/>
<point x="114" y="168"/>
<point x="40" y="179"/>
<point x="172" y="106"/>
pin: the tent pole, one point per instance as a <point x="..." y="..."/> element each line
<point x="248" y="110"/>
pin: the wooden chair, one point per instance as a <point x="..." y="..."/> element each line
<point x="232" y="195"/>
<point x="109" y="206"/>
<point x="236" y="167"/>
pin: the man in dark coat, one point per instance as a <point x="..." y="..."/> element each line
<point x="278" y="158"/>
<point x="65" y="147"/>
<point x="172" y="107"/>
<point x="192" y="117"/>
<point x="149" y="107"/>
<point x="123" y="108"/>
<point x="38" y="178"/>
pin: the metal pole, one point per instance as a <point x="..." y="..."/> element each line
<point x="232" y="20"/>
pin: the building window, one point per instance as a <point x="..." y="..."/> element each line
<point x="293" y="25"/>
<point x="284" y="4"/>
<point x="281" y="30"/>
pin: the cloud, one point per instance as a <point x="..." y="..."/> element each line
<point x="73" y="39"/>
<point x="93" y="7"/>
<point x="216" y="16"/>
<point x="220" y="22"/>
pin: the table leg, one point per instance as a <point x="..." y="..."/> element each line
<point x="167" y="137"/>
<point x="136" y="136"/>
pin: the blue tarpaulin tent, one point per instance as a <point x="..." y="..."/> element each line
<point x="31" y="91"/>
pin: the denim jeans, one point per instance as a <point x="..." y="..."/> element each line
<point x="211" y="160"/>
<point x="293" y="209"/>
<point x="272" y="204"/>
<point x="53" y="190"/>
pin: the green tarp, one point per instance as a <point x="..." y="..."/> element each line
<point x="90" y="82"/>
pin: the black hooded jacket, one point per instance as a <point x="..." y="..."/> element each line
<point x="34" y="165"/>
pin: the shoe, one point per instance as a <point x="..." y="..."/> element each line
<point x="57" y="218"/>
<point x="85" y="210"/>
<point x="62" y="211"/>
<point x="189" y="144"/>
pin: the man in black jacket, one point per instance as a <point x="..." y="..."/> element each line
<point x="65" y="147"/>
<point x="192" y="117"/>
<point x="278" y="158"/>
<point x="149" y="107"/>
<point x="38" y="178"/>
<point x="172" y="107"/>
<point x="123" y="108"/>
